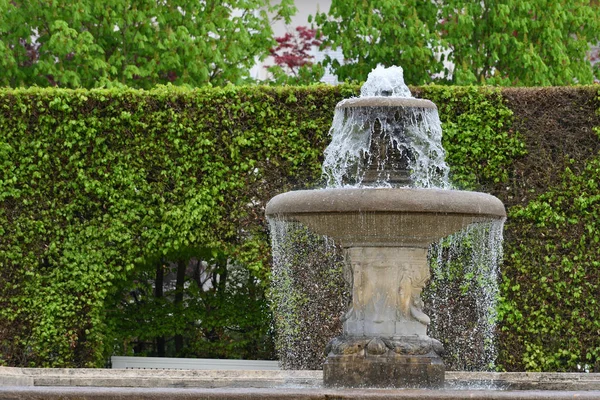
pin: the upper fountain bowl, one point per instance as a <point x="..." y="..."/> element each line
<point x="383" y="101"/>
<point x="400" y="217"/>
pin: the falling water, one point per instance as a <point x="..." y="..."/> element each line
<point x="309" y="293"/>
<point x="462" y="296"/>
<point x="463" y="292"/>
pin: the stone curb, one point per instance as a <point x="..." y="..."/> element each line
<point x="156" y="378"/>
<point x="170" y="378"/>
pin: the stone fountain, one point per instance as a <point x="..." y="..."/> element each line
<point x="388" y="202"/>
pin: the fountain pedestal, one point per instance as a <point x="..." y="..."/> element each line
<point x="384" y="341"/>
<point x="387" y="370"/>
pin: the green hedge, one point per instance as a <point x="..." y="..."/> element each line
<point x="551" y="280"/>
<point x="101" y="189"/>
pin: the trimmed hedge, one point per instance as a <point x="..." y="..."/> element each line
<point x="551" y="279"/>
<point x="100" y="189"/>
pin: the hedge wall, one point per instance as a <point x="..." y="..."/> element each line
<point x="100" y="189"/>
<point x="104" y="191"/>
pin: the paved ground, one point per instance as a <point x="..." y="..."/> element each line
<point x="101" y="393"/>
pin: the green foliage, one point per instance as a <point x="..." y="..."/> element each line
<point x="309" y="294"/>
<point x="306" y="75"/>
<point x="219" y="312"/>
<point x="551" y="306"/>
<point x="97" y="186"/>
<point x="511" y="42"/>
<point x="478" y="136"/>
<point x="461" y="296"/>
<point x="382" y="32"/>
<point x="521" y="43"/>
<point x="550" y="289"/>
<point x="90" y="43"/>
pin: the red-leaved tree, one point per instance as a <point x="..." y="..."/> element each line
<point x="293" y="49"/>
<point x="294" y="63"/>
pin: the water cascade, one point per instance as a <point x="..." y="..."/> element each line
<point x="388" y="199"/>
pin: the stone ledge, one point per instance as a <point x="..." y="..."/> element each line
<point x="156" y="378"/>
<point x="126" y="362"/>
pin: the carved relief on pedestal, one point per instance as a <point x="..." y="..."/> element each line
<point x="377" y="346"/>
<point x="352" y="276"/>
<point x="413" y="278"/>
<point x="386" y="290"/>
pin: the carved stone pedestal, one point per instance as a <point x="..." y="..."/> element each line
<point x="385" y="342"/>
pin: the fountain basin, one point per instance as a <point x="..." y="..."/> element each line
<point x="385" y="217"/>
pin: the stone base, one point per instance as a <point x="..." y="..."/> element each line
<point x="384" y="372"/>
<point x="400" y="362"/>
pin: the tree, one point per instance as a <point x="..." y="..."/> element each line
<point x="508" y="42"/>
<point x="293" y="51"/>
<point x="388" y="32"/>
<point x="294" y="63"/>
<point x="522" y="43"/>
<point x="203" y="304"/>
<point x="92" y="43"/>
